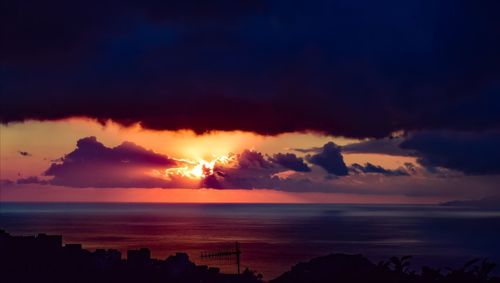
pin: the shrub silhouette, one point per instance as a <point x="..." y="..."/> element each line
<point x="356" y="268"/>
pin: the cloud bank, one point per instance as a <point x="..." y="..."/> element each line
<point x="94" y="165"/>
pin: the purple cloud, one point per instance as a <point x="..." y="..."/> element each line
<point x="330" y="159"/>
<point x="92" y="164"/>
<point x="290" y="161"/>
<point x="250" y="159"/>
<point x="371" y="168"/>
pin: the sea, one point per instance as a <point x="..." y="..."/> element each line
<point x="271" y="237"/>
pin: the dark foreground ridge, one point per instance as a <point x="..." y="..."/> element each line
<point x="44" y="259"/>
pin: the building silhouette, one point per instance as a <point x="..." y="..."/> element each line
<point x="44" y="258"/>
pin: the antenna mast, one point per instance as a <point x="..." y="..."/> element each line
<point x="224" y="255"/>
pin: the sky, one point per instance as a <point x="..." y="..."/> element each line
<point x="249" y="101"/>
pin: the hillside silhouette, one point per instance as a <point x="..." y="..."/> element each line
<point x="357" y="268"/>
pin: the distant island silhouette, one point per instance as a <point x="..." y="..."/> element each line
<point x="490" y="202"/>
<point x="44" y="258"/>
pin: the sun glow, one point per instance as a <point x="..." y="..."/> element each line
<point x="199" y="169"/>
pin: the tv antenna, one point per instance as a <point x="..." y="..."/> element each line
<point x="224" y="255"/>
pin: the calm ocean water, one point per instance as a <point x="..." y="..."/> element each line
<point x="273" y="236"/>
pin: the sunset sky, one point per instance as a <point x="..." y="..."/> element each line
<point x="250" y="101"/>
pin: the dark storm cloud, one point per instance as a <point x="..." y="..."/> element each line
<point x="371" y="168"/>
<point x="473" y="153"/>
<point x="330" y="159"/>
<point x="290" y="161"/>
<point x="263" y="66"/>
<point x="92" y="164"/>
